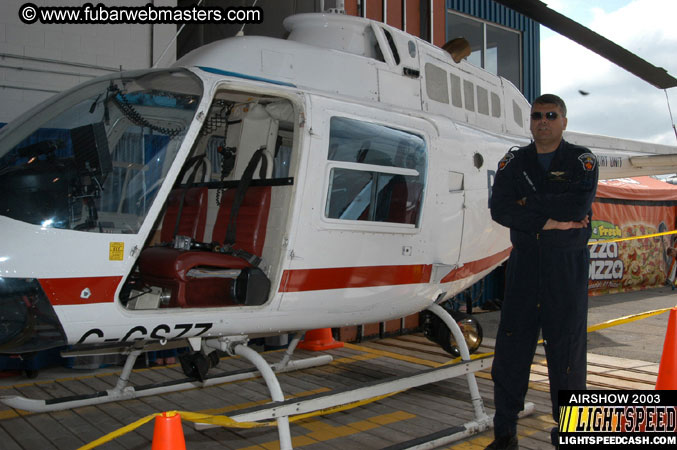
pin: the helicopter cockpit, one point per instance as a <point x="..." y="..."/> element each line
<point x="93" y="159"/>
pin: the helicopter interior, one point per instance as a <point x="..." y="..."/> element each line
<point x="220" y="237"/>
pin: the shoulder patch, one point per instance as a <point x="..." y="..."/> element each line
<point x="589" y="161"/>
<point x="505" y="160"/>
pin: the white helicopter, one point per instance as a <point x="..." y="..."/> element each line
<point x="259" y="187"/>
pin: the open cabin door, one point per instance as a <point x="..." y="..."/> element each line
<point x="222" y="234"/>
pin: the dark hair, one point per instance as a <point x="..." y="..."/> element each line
<point x="552" y="99"/>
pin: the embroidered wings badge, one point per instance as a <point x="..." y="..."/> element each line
<point x="588" y="160"/>
<point x="557" y="176"/>
<point x="505" y="160"/>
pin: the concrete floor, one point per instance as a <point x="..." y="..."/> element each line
<point x="642" y="339"/>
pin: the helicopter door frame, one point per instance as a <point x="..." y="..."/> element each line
<point x="385" y="243"/>
<point x="347" y="267"/>
<point x="375" y="119"/>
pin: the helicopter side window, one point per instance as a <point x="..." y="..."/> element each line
<point x="482" y="101"/>
<point x="436" y="83"/>
<point x="377" y="173"/>
<point x="469" y="95"/>
<point x="495" y="105"/>
<point x="456" y="99"/>
<point x="517" y="114"/>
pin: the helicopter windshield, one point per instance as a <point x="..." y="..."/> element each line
<point x="94" y="158"/>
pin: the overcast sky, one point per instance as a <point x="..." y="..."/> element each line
<point x="618" y="104"/>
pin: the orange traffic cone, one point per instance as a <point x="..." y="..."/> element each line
<point x="667" y="370"/>
<point x="168" y="433"/>
<point x="320" y="339"/>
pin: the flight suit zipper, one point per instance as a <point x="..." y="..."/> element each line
<point x="538" y="272"/>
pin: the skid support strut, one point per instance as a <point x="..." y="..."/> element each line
<point x="273" y="386"/>
<point x="482" y="421"/>
<point x="123" y="390"/>
<point x="239" y="348"/>
<point x="478" y="405"/>
<point x="335" y="398"/>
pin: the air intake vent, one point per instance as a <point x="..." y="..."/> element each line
<point x="334" y="31"/>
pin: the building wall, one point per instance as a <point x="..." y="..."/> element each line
<point x="415" y="21"/>
<point x="493" y="12"/>
<point x="37" y="61"/>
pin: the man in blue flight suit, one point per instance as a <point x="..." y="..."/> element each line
<point x="543" y="192"/>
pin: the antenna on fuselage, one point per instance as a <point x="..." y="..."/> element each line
<point x="241" y="32"/>
<point x="172" y="41"/>
<point x="340" y="7"/>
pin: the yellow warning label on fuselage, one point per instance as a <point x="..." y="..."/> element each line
<point x="116" y="251"/>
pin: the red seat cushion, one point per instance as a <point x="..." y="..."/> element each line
<point x="404" y="202"/>
<point x="169" y="267"/>
<point x="165" y="262"/>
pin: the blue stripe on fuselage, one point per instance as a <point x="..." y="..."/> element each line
<point x="245" y="76"/>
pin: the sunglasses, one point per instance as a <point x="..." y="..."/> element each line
<point x="550" y="115"/>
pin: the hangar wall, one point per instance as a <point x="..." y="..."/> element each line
<point x="39" y="60"/>
<point x="530" y="34"/>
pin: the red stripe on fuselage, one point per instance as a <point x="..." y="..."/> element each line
<point x="301" y="280"/>
<point x="69" y="291"/>
<point x="474" y="267"/>
<point x="79" y="291"/>
<point x="353" y="277"/>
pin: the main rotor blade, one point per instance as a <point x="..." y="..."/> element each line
<point x="540" y="12"/>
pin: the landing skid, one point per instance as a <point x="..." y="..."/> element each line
<point x="123" y="391"/>
<point x="281" y="409"/>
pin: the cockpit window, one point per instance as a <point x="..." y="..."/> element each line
<point x="377" y="173"/>
<point x="94" y="159"/>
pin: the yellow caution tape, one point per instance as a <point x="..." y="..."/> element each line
<point x="225" y="421"/>
<point x="622" y="320"/>
<point x="626" y="319"/>
<point x="597" y="327"/>
<point x="631" y="238"/>
<point x="472" y="357"/>
<point x="119" y="432"/>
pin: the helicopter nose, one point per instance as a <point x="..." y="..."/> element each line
<point x="28" y="322"/>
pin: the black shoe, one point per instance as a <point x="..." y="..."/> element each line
<point x="504" y="443"/>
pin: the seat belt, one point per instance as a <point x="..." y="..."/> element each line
<point x="242" y="187"/>
<point x="191" y="164"/>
